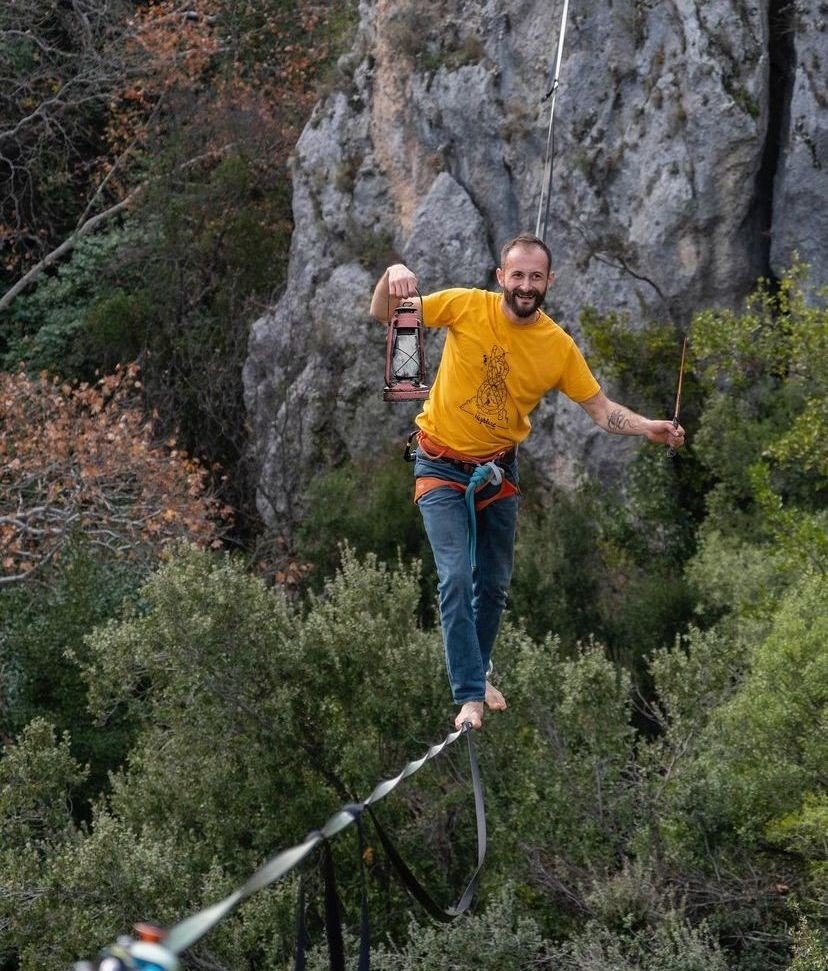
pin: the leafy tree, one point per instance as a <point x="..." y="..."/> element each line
<point x="207" y="670"/>
<point x="206" y="665"/>
<point x="810" y="948"/>
<point x="91" y="315"/>
<point x="740" y="704"/>
<point x="366" y="505"/>
<point x="49" y="866"/>
<point x="37" y="777"/>
<point x="768" y="747"/>
<point x="737" y="773"/>
<point x="606" y="565"/>
<point x="558" y="569"/>
<point x="762" y="434"/>
<point x="95" y="83"/>
<point x="66" y="67"/>
<point x="89" y="498"/>
<point x="188" y="118"/>
<point x="42" y="630"/>
<point x="83" y="459"/>
<point x="671" y="945"/>
<point x="255" y="717"/>
<point x="501" y="937"/>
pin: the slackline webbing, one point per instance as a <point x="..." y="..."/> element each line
<point x="188" y="931"/>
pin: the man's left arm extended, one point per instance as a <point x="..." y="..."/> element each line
<point x="619" y="420"/>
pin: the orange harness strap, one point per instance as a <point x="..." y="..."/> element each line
<point x="426" y="483"/>
<point x="436" y="450"/>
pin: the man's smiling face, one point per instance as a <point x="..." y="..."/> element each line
<point x="524" y="278"/>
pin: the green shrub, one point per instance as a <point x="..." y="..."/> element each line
<point x="766" y="746"/>
<point x="672" y="944"/>
<point x="607" y="566"/>
<point x="368" y="506"/>
<point x="42" y="649"/>
<point x="497" y="937"/>
<point x="558" y="569"/>
<point x="255" y="718"/>
<point x="810" y="948"/>
<point x="91" y="314"/>
<point x="764" y="373"/>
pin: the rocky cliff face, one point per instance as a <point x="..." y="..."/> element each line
<point x="690" y="158"/>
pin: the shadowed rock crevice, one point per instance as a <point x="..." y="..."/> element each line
<point x="781" y="74"/>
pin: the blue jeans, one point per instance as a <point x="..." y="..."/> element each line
<point x="471" y="602"/>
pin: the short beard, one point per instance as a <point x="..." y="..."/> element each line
<point x="510" y="296"/>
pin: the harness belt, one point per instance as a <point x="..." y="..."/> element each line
<point x="436" y="450"/>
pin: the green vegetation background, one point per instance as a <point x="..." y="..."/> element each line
<point x="655" y="792"/>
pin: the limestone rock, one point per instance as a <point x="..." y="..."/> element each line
<point x="800" y="199"/>
<point x="690" y="158"/>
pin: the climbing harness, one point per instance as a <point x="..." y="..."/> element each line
<point x="546" y="184"/>
<point x="435" y="450"/>
<point x="468" y="465"/>
<point x="483" y="471"/>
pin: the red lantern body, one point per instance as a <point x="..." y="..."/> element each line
<point x="405" y="356"/>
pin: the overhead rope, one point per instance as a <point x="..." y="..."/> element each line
<point x="546" y="182"/>
<point x="163" y="956"/>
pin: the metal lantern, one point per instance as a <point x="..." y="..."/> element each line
<point x="405" y="356"/>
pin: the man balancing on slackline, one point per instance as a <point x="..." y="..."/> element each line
<point x="502" y="355"/>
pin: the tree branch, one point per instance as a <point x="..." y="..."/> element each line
<point x="92" y="223"/>
<point x="66" y="246"/>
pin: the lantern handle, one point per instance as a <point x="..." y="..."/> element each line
<point x="419" y="297"/>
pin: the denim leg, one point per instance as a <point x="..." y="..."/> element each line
<point x="447" y="525"/>
<point x="470" y="605"/>
<point x="496" y="525"/>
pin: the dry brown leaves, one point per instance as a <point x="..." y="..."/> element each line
<point x="83" y="460"/>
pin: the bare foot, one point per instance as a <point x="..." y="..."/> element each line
<point x="471" y="712"/>
<point x="494" y="699"/>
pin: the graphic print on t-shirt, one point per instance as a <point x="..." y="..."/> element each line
<point x="489" y="403"/>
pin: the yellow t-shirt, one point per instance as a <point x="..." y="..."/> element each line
<point x="493" y="372"/>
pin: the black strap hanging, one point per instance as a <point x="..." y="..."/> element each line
<point x="301" y="928"/>
<point x="184" y="934"/>
<point x="364" y="922"/>
<point x="407" y="878"/>
<point x="333" y="911"/>
<point x="333" y="919"/>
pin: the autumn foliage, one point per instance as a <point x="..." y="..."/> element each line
<point x="145" y="206"/>
<point x="83" y="460"/>
<point x="96" y="90"/>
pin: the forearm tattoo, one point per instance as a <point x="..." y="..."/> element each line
<point x="618" y="422"/>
